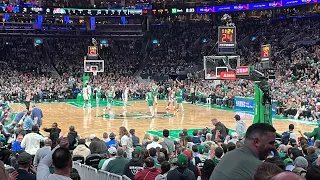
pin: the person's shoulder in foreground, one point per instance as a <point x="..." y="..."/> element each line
<point x="241" y="164"/>
<point x="287" y="176"/>
<point x="61" y="159"/>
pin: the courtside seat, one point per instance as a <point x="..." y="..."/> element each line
<point x="93" y="160"/>
<point x="78" y="158"/>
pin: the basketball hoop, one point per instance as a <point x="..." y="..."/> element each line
<point x="94" y="72"/>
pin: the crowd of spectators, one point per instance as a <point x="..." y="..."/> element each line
<point x="295" y="57"/>
<point x="180" y="47"/>
<point x="67" y="56"/>
<point x="209" y="153"/>
<point x="22" y="70"/>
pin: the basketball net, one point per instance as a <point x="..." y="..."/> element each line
<point x="94" y="72"/>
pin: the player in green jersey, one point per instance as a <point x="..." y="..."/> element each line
<point x="149" y="99"/>
<point x="110" y="95"/>
<point x="98" y="94"/>
<point x="155" y="93"/>
<point x="179" y="99"/>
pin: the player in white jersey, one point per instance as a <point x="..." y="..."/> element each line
<point x="89" y="90"/>
<point x="125" y="95"/>
<point x="172" y="98"/>
<point x="85" y="95"/>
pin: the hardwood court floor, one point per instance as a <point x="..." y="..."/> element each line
<point x="93" y="121"/>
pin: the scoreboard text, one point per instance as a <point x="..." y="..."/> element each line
<point x="227" y="40"/>
<point x="92" y="50"/>
<point x="227" y="36"/>
<point x="265" y="52"/>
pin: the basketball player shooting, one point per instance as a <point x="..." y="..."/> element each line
<point x="172" y="99"/>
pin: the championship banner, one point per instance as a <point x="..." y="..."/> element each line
<point x="247" y="104"/>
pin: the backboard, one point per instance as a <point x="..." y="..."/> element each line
<point x="93" y="66"/>
<point x="214" y="65"/>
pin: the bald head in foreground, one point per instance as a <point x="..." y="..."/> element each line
<point x="286" y="176"/>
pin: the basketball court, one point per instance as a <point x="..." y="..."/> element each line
<point x="95" y="121"/>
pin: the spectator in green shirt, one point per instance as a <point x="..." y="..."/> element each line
<point x="315" y="133"/>
<point x="117" y="165"/>
<point x="218" y="155"/>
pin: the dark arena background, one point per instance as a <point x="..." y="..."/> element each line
<point x="144" y="90"/>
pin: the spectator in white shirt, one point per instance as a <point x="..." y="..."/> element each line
<point x="82" y="149"/>
<point x="234" y="138"/>
<point x="31" y="141"/>
<point x="126" y="141"/>
<point x="154" y="143"/>
<point x="105" y="137"/>
<point x="241" y="126"/>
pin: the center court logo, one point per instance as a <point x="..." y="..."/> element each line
<point x="136" y="116"/>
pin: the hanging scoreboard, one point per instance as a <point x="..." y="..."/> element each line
<point x="92" y="51"/>
<point x="227" y="40"/>
<point x="265" y="52"/>
<point x="266" y="56"/>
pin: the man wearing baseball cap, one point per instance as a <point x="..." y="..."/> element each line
<point x="24" y="162"/>
<point x="116" y="166"/>
<point x="133" y="166"/>
<point x="193" y="168"/>
<point x="113" y="152"/>
<point x="288" y="163"/>
<point x="200" y="158"/>
<point x="182" y="170"/>
<point x="112" y="142"/>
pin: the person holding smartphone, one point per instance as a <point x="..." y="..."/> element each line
<point x="25" y="170"/>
